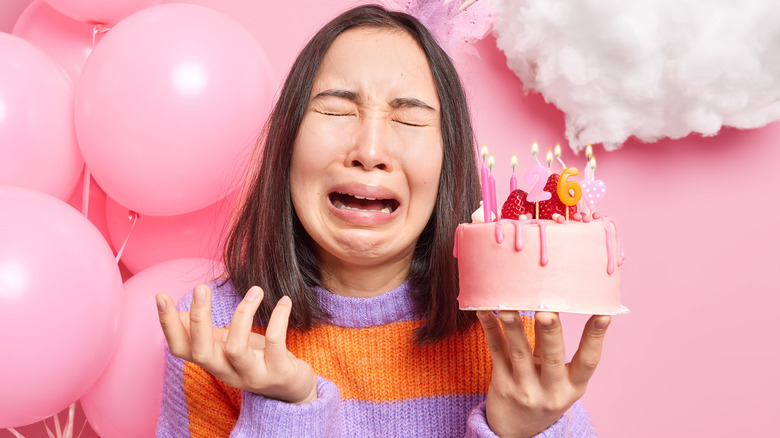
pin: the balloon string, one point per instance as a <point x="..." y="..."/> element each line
<point x="134" y="219"/>
<point x="15" y="433"/>
<point x="69" y="425"/>
<point x="57" y="425"/>
<point x="85" y="192"/>
<point x="83" y="425"/>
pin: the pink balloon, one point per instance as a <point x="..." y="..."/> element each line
<point x="168" y="107"/>
<point x="37" y="140"/>
<point x="61" y="300"/>
<point x="100" y="11"/>
<point x="155" y="239"/>
<point x="125" y="401"/>
<point x="67" y="41"/>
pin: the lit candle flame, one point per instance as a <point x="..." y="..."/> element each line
<point x="589" y="151"/>
<point x="514" y="162"/>
<point x="558" y="154"/>
<point x="549" y="159"/>
<point x="491" y="162"/>
<point x="535" y="152"/>
<point x="484" y="152"/>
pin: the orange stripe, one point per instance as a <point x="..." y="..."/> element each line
<point x="212" y="406"/>
<point x="374" y="363"/>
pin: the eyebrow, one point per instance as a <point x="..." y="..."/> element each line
<point x="398" y="102"/>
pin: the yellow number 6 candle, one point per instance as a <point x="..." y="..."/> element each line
<point x="566" y="187"/>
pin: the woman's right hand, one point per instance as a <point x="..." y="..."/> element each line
<point x="235" y="355"/>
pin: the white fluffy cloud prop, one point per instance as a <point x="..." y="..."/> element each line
<point x="647" y="68"/>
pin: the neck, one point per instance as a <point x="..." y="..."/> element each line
<point x="363" y="281"/>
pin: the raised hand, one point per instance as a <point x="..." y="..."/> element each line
<point x="235" y="355"/>
<point x="530" y="390"/>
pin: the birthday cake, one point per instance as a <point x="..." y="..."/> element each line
<point x="543" y="255"/>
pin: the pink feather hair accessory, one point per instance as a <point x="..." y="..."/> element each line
<point x="456" y="24"/>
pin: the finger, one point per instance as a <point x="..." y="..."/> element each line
<point x="201" y="328"/>
<point x="520" y="354"/>
<point x="175" y="334"/>
<point x="276" y="356"/>
<point x="550" y="350"/>
<point x="587" y="357"/>
<point x="495" y="341"/>
<point x="237" y="345"/>
<point x="184" y="317"/>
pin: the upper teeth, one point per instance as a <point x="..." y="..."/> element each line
<point x="364" y="197"/>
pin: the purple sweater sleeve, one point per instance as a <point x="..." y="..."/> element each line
<point x="574" y="423"/>
<point x="263" y="417"/>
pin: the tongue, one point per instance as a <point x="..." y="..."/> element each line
<point x="363" y="204"/>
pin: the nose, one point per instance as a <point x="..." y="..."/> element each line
<point x="371" y="147"/>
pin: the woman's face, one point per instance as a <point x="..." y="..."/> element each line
<point x="367" y="159"/>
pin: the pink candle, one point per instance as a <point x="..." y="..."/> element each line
<point x="485" y="186"/>
<point x="492" y="187"/>
<point x="513" y="179"/>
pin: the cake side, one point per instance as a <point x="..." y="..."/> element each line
<point x="540" y="265"/>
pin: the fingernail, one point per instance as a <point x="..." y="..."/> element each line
<point x="285" y="301"/>
<point x="253" y="294"/>
<point x="198" y="296"/>
<point x="545" y="321"/>
<point x="160" y="304"/>
<point x="602" y="323"/>
<point x="509" y="319"/>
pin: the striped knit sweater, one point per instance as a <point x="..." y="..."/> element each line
<point x="373" y="380"/>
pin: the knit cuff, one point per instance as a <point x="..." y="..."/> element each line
<point x="476" y="425"/>
<point x="574" y="423"/>
<point x="264" y="417"/>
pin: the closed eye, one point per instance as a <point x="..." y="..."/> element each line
<point x="327" y="113"/>
<point x="407" y="123"/>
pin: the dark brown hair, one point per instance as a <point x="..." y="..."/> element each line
<point x="268" y="246"/>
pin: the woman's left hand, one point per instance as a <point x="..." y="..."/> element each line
<point x="530" y="390"/>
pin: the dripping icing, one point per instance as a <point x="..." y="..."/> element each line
<point x="455" y="246"/>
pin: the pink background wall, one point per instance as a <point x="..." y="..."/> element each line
<point x="696" y="355"/>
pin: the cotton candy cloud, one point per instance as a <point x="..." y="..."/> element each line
<point x="646" y="68"/>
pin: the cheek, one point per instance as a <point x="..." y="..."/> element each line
<point x="424" y="174"/>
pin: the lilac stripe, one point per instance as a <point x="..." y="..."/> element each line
<point x="442" y="416"/>
<point x="174" y="421"/>
<point x="351" y="312"/>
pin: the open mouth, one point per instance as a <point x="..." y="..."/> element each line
<point x="346" y="201"/>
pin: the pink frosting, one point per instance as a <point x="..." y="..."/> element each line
<point x="576" y="267"/>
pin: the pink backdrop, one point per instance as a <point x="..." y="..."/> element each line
<point x="694" y="356"/>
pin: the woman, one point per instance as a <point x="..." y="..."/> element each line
<point x="368" y="167"/>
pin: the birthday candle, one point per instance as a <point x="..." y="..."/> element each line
<point x="513" y="179"/>
<point x="588" y="155"/>
<point x="485" y="185"/>
<point x="549" y="162"/>
<point x="569" y="191"/>
<point x="492" y="187"/>
<point x="558" y="155"/>
<point x="535" y="152"/>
